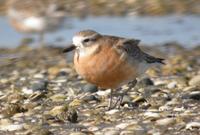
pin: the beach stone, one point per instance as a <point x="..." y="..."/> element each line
<point x="192" y="125"/>
<point x="93" y="128"/>
<point x="111" y="132"/>
<point x="77" y="133"/>
<point x="145" y="82"/>
<point x="58" y="97"/>
<point x="195" y="95"/>
<point x="195" y="81"/>
<point x="12" y="109"/>
<point x="72" y="116"/>
<point x="62" y="73"/>
<point x="39" y="85"/>
<point x="165" y="121"/>
<point x="152" y="115"/>
<point x="75" y="103"/>
<point x="27" y="91"/>
<point x="126" y="100"/>
<point x="5" y="121"/>
<point x="7" y="125"/>
<point x="190" y="88"/>
<point x="132" y="132"/>
<point x="58" y="110"/>
<point x="39" y="76"/>
<point x="122" y="125"/>
<point x="103" y="92"/>
<point x="53" y="71"/>
<point x="36" y="96"/>
<point x="15" y="98"/>
<point x="154" y="132"/>
<point x="37" y="129"/>
<point x="111" y="112"/>
<point x="90" y="88"/>
<point x="89" y="98"/>
<point x="12" y="127"/>
<point x="172" y="85"/>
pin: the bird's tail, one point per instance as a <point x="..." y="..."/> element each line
<point x="150" y="59"/>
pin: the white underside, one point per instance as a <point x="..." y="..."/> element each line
<point x="40" y="24"/>
<point x="143" y="67"/>
<point x="37" y="23"/>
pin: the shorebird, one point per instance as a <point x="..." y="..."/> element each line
<point x="35" y="16"/>
<point x="109" y="61"/>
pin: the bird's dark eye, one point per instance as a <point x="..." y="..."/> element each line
<point x="86" y="40"/>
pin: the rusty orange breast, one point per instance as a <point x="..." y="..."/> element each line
<point x="105" y="69"/>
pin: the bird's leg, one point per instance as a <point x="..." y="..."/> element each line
<point x="110" y="100"/>
<point x="119" y="99"/>
<point x="132" y="84"/>
<point x="111" y="105"/>
<point x="41" y="39"/>
<point x="121" y="96"/>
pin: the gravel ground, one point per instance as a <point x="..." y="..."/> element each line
<point x="41" y="94"/>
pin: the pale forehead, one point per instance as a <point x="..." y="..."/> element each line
<point x="85" y="33"/>
<point x="77" y="39"/>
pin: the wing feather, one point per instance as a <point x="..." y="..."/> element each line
<point x="130" y="46"/>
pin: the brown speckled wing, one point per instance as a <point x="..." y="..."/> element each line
<point x="130" y="46"/>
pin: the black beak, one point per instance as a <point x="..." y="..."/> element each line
<point x="69" y="48"/>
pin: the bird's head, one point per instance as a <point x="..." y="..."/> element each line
<point x="83" y="39"/>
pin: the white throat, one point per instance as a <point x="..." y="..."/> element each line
<point x="87" y="51"/>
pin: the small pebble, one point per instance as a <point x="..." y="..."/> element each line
<point x="122" y="125"/>
<point x="192" y="125"/>
<point x="195" y="95"/>
<point x="77" y="133"/>
<point x="165" y="121"/>
<point x="111" y="132"/>
<point x="11" y="127"/>
<point x="145" y="82"/>
<point x="72" y="116"/>
<point x="152" y="115"/>
<point x="195" y="81"/>
<point x="62" y="73"/>
<point x="39" y="76"/>
<point x="57" y="110"/>
<point x="90" y="88"/>
<point x="89" y="98"/>
<point x="39" y="85"/>
<point x="126" y="100"/>
<point x="58" y="97"/>
<point x="172" y="85"/>
<point x="113" y="111"/>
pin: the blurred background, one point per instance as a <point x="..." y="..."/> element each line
<point x="152" y="21"/>
<point x="41" y="93"/>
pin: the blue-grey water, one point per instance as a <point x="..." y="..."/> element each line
<point x="151" y="30"/>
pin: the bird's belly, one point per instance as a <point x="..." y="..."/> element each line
<point x="36" y="24"/>
<point x="106" y="71"/>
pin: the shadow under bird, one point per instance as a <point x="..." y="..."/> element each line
<point x="109" y="61"/>
<point x="35" y="16"/>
